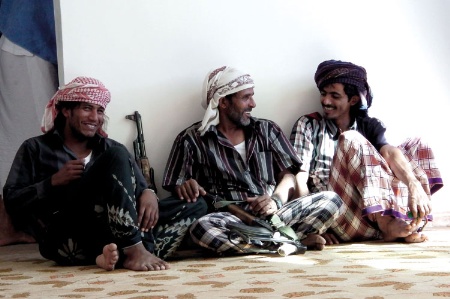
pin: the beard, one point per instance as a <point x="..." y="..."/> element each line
<point x="79" y="135"/>
<point x="238" y="118"/>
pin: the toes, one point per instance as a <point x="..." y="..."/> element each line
<point x="416" y="238"/>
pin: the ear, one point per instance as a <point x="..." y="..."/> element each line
<point x="65" y="112"/>
<point x="223" y="102"/>
<point x="354" y="100"/>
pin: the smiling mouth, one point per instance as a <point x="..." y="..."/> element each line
<point x="91" y="126"/>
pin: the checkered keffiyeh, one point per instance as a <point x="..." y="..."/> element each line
<point x="80" y="89"/>
<point x="219" y="83"/>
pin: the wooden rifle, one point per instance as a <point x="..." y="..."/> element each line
<point x="140" y="154"/>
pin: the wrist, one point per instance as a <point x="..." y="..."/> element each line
<point x="154" y="193"/>
<point x="277" y="201"/>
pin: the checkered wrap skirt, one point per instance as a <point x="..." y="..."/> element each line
<point x="366" y="184"/>
<point x="313" y="213"/>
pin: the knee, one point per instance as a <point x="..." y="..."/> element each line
<point x="331" y="196"/>
<point x="199" y="208"/>
<point x="351" y="136"/>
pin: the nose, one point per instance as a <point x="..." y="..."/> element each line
<point x="325" y="99"/>
<point x="252" y="103"/>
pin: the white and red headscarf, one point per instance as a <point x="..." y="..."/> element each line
<point x="80" y="89"/>
<point x="219" y="83"/>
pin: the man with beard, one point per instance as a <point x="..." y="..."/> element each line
<point x="82" y="196"/>
<point x="386" y="189"/>
<point x="245" y="160"/>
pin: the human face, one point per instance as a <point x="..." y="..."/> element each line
<point x="335" y="103"/>
<point x="240" y="106"/>
<point x="84" y="120"/>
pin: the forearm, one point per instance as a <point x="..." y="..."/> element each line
<point x="301" y="186"/>
<point x="285" y="189"/>
<point x="398" y="164"/>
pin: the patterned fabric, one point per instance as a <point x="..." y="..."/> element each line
<point x="98" y="209"/>
<point x="175" y="218"/>
<point x="218" y="167"/>
<point x="309" y="214"/>
<point x="37" y="159"/>
<point x="80" y="89"/>
<point x="366" y="184"/>
<point x="315" y="138"/>
<point x="218" y="83"/>
<point x="336" y="71"/>
<point x="349" y="270"/>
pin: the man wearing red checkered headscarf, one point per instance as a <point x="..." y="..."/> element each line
<point x="83" y="197"/>
<point x="386" y="189"/>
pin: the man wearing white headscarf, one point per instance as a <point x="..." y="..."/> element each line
<point x="242" y="159"/>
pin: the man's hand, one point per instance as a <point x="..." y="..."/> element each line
<point x="148" y="210"/>
<point x="190" y="190"/>
<point x="262" y="205"/>
<point x="419" y="203"/>
<point x="72" y="170"/>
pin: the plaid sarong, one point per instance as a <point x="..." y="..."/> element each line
<point x="366" y="184"/>
<point x="313" y="213"/>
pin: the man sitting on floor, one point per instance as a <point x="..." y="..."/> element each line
<point x="346" y="151"/>
<point x="82" y="196"/>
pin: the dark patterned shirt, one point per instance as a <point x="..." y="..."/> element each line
<point x="219" y="168"/>
<point x="28" y="191"/>
<point x="315" y="139"/>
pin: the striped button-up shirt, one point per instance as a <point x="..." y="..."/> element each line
<point x="219" y="168"/>
<point x="315" y="138"/>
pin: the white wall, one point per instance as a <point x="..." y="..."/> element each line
<point x="153" y="56"/>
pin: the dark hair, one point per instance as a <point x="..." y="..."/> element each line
<point x="355" y="110"/>
<point x="60" y="120"/>
<point x="230" y="96"/>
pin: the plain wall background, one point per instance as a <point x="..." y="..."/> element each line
<point x="153" y="56"/>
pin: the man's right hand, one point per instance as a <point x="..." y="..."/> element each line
<point x="190" y="190"/>
<point x="72" y="170"/>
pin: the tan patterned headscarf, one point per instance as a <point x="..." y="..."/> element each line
<point x="80" y="89"/>
<point x="219" y="83"/>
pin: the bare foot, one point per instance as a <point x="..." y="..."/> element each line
<point x="330" y="238"/>
<point x="394" y="228"/>
<point x="314" y="241"/>
<point x="8" y="234"/>
<point x="108" y="259"/>
<point x="15" y="238"/>
<point x="416" y="238"/>
<point x="139" y="259"/>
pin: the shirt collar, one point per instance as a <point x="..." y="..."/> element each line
<point x="333" y="130"/>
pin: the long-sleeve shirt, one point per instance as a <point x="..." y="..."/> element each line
<point x="315" y="139"/>
<point x="219" y="168"/>
<point x="28" y="193"/>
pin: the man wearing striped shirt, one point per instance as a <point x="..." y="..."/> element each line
<point x="242" y="159"/>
